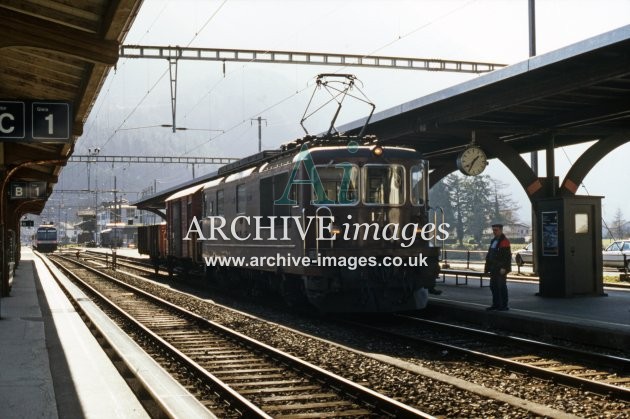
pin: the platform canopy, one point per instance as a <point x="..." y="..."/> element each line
<point x="56" y="50"/>
<point x="576" y="94"/>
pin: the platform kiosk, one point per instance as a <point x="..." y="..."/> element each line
<point x="569" y="246"/>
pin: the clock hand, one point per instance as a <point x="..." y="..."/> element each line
<point x="472" y="163"/>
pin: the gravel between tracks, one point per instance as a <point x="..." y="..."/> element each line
<point x="432" y="396"/>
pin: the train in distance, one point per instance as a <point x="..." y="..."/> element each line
<point x="45" y="238"/>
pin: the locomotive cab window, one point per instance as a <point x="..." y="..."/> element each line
<point x="46" y="233"/>
<point x="340" y="183"/>
<point x="384" y="184"/>
<point x="418" y="188"/>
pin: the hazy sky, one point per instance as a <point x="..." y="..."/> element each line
<point x="480" y="30"/>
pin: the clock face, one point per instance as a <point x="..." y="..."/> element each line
<point x="472" y="161"/>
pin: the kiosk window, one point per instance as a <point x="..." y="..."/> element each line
<point x="581" y="223"/>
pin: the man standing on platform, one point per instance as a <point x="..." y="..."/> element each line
<point x="498" y="264"/>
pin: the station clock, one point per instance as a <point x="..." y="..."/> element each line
<point x="472" y="161"/>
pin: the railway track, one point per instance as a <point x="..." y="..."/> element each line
<point x="135" y="265"/>
<point x="144" y="267"/>
<point x="401" y="370"/>
<point x="252" y="378"/>
<point x="598" y="373"/>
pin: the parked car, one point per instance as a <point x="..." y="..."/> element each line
<point x="524" y="256"/>
<point x="613" y="256"/>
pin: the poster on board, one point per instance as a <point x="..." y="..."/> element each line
<point x="549" y="233"/>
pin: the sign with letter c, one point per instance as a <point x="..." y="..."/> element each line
<point x="12" y="120"/>
<point x="33" y="121"/>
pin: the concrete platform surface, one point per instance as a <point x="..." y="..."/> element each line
<point x="50" y="364"/>
<point x="601" y="320"/>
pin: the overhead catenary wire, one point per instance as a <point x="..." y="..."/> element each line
<point x="397" y="39"/>
<point x="112" y="78"/>
<point x="283" y="100"/>
<point x="226" y="75"/>
<point x="400" y="37"/>
<point x="111" y="82"/>
<point x="413" y="31"/>
<point x="161" y="76"/>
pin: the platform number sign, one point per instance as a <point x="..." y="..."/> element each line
<point x="19" y="190"/>
<point x="37" y="190"/>
<point x="28" y="190"/>
<point x="50" y="121"/>
<point x="12" y="121"/>
<point x="35" y="121"/>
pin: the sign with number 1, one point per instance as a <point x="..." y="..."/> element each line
<point x="32" y="121"/>
<point x="28" y="190"/>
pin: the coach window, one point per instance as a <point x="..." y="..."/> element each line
<point x="265" y="187"/>
<point x="384" y="184"/>
<point x="220" y="202"/>
<point x="340" y="183"/>
<point x="418" y="190"/>
<point x="241" y="199"/>
<point x="208" y="204"/>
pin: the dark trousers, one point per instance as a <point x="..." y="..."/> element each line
<point x="498" y="286"/>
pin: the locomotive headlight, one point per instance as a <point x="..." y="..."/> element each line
<point x="377" y="151"/>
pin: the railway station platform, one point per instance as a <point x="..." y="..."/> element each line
<point x="50" y="363"/>
<point x="601" y="320"/>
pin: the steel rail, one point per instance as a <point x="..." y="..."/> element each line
<point x="570" y="380"/>
<point x="236" y="400"/>
<point x="370" y="397"/>
<point x="148" y="397"/>
<point x="610" y="360"/>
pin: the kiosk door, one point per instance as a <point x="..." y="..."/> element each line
<point x="581" y="248"/>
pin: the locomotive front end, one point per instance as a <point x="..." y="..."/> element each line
<point x="373" y="248"/>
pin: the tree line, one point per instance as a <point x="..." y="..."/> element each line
<point x="618" y="227"/>
<point x="472" y="203"/>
